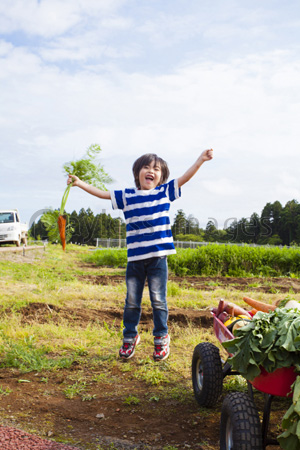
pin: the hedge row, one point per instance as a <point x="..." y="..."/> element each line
<point x="237" y="261"/>
<point x="216" y="259"/>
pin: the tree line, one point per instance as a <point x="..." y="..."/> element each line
<point x="86" y="227"/>
<point x="277" y="225"/>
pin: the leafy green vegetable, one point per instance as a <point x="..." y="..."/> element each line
<point x="271" y="340"/>
<point x="290" y="438"/>
<point x="49" y="220"/>
<point x="87" y="170"/>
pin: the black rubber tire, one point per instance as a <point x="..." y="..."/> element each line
<point x="207" y="374"/>
<point x="240" y="427"/>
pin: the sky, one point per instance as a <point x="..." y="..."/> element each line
<point x="171" y="77"/>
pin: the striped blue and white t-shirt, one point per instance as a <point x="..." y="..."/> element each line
<point x="146" y="212"/>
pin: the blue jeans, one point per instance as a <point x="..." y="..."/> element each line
<point x="155" y="271"/>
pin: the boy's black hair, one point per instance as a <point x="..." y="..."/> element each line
<point x="145" y="160"/>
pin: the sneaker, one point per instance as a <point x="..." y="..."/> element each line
<point x="161" y="348"/>
<point x="128" y="348"/>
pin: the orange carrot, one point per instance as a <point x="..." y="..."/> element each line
<point x="61" y="221"/>
<point x="259" y="306"/>
<point x="235" y="310"/>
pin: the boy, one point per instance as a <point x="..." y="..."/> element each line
<point x="149" y="241"/>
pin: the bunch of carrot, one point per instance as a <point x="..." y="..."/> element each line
<point x="227" y="309"/>
<point x="87" y="170"/>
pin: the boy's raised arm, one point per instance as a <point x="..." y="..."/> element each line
<point x="207" y="155"/>
<point x="88" y="188"/>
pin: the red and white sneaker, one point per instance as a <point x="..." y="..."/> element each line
<point x="128" y="348"/>
<point x="161" y="348"/>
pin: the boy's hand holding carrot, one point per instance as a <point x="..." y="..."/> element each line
<point x="73" y="179"/>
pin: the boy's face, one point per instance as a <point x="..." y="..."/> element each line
<point x="150" y="176"/>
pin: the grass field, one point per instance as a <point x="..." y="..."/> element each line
<point x="60" y="331"/>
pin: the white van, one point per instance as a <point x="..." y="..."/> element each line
<point x="11" y="229"/>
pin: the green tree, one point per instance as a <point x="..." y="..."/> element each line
<point x="271" y="221"/>
<point x="180" y="224"/>
<point x="211" y="232"/>
<point x="231" y="230"/>
<point x="290" y="223"/>
<point x="38" y="230"/>
<point x="87" y="222"/>
<point x="254" y="228"/>
<point x="248" y="230"/>
<point x="74" y="221"/>
<point x="192" y="225"/>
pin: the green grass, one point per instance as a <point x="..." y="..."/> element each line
<point x="215" y="259"/>
<point x="75" y="389"/>
<point x="26" y="356"/>
<point x="237" y="261"/>
<point x="5" y="391"/>
<point x="56" y="278"/>
<point x="108" y="257"/>
<point x="131" y="400"/>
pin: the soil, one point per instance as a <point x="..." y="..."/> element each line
<point x="256" y="284"/>
<point x="36" y="402"/>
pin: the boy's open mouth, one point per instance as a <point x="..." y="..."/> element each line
<point x="150" y="177"/>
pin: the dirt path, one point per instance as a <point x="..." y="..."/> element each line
<point x="255" y="284"/>
<point x="22" y="248"/>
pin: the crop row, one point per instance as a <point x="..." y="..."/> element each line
<point x="214" y="259"/>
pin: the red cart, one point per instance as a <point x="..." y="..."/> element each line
<point x="240" y="427"/>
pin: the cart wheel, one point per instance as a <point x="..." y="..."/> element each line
<point x="240" y="426"/>
<point x="207" y="374"/>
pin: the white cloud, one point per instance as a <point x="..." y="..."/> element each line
<point x="167" y="29"/>
<point x="89" y="79"/>
<point x="51" y="18"/>
<point x="222" y="186"/>
<point x="87" y="47"/>
<point x="5" y="48"/>
<point x="42" y="18"/>
<point x="288" y="186"/>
